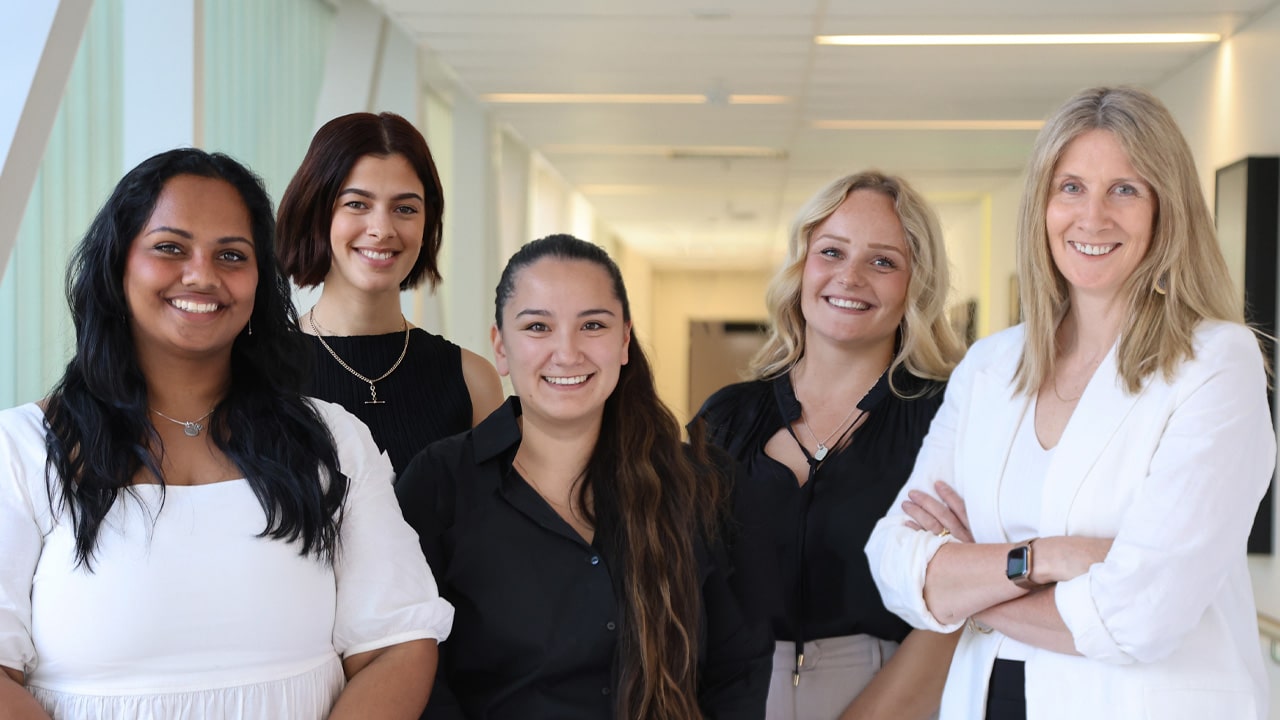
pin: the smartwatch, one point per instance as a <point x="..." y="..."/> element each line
<point x="1018" y="566"/>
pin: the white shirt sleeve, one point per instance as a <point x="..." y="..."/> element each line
<point x="21" y="539"/>
<point x="1189" y="523"/>
<point x="386" y="593"/>
<point x="899" y="556"/>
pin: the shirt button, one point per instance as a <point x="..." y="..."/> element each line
<point x="605" y="691"/>
<point x="611" y="625"/>
<point x="595" y="559"/>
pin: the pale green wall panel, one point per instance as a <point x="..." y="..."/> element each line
<point x="80" y="166"/>
<point x="263" y="67"/>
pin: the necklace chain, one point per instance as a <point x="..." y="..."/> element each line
<point x="373" y="390"/>
<point x="524" y="472"/>
<point x="1059" y="393"/>
<point x="190" y="428"/>
<point x="820" y="452"/>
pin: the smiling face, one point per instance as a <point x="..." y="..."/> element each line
<point x="191" y="274"/>
<point x="854" y="289"/>
<point x="1099" y="217"/>
<point x="378" y="222"/>
<point x="563" y="340"/>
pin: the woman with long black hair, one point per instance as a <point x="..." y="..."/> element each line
<point x="182" y="534"/>
<point x="578" y="537"/>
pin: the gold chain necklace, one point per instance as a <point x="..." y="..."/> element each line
<point x="373" y="390"/>
<point x="190" y="428"/>
<point x="1058" y="393"/>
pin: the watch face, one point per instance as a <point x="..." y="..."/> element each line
<point x="1017" y="564"/>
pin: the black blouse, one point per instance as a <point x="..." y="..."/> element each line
<point x="536" y="622"/>
<point x="424" y="400"/>
<point x="818" y="530"/>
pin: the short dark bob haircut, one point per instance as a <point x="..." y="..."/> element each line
<point x="306" y="210"/>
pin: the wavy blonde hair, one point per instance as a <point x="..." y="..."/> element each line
<point x="927" y="347"/>
<point x="1183" y="254"/>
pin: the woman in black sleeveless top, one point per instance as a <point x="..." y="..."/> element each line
<point x="363" y="216"/>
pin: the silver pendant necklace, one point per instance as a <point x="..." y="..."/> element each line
<point x="190" y="428"/>
<point x="822" y="449"/>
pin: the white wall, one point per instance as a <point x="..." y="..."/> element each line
<point x="679" y="297"/>
<point x="1228" y="102"/>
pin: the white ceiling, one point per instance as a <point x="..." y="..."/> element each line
<point x="733" y="212"/>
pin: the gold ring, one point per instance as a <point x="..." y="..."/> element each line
<point x="944" y="532"/>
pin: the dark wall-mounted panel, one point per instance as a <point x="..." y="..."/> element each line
<point x="1248" y="215"/>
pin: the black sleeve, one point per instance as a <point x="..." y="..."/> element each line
<point x="739" y="637"/>
<point x="425" y="491"/>
<point x="734" y="683"/>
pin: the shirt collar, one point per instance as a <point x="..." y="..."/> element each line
<point x="499" y="434"/>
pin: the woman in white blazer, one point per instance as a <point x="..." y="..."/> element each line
<point x="1085" y="493"/>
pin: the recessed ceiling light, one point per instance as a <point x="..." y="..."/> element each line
<point x="1025" y="39"/>
<point x="928" y="124"/>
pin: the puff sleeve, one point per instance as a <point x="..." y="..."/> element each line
<point x="386" y="593"/>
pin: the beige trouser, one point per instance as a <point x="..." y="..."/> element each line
<point x="835" y="670"/>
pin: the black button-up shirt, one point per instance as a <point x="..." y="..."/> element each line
<point x="535" y="630"/>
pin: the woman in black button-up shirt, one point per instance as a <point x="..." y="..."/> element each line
<point x="578" y="539"/>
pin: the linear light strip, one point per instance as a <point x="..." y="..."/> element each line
<point x="691" y="151"/>
<point x="1026" y="39"/>
<point x="928" y="124"/>
<point x="597" y="98"/>
<point x="627" y="99"/>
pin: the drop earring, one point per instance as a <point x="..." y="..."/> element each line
<point x="1161" y="285"/>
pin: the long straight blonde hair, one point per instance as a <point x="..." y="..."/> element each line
<point x="927" y="347"/>
<point x="1183" y="257"/>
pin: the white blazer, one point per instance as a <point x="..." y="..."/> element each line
<point x="1166" y="625"/>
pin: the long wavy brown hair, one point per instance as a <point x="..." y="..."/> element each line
<point x="650" y="495"/>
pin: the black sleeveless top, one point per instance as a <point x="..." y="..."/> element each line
<point x="424" y="400"/>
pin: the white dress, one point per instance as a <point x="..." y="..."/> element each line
<point x="187" y="613"/>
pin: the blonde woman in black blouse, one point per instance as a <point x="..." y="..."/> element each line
<point x="828" y="430"/>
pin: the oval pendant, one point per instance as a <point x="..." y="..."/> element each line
<point x="191" y="429"/>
